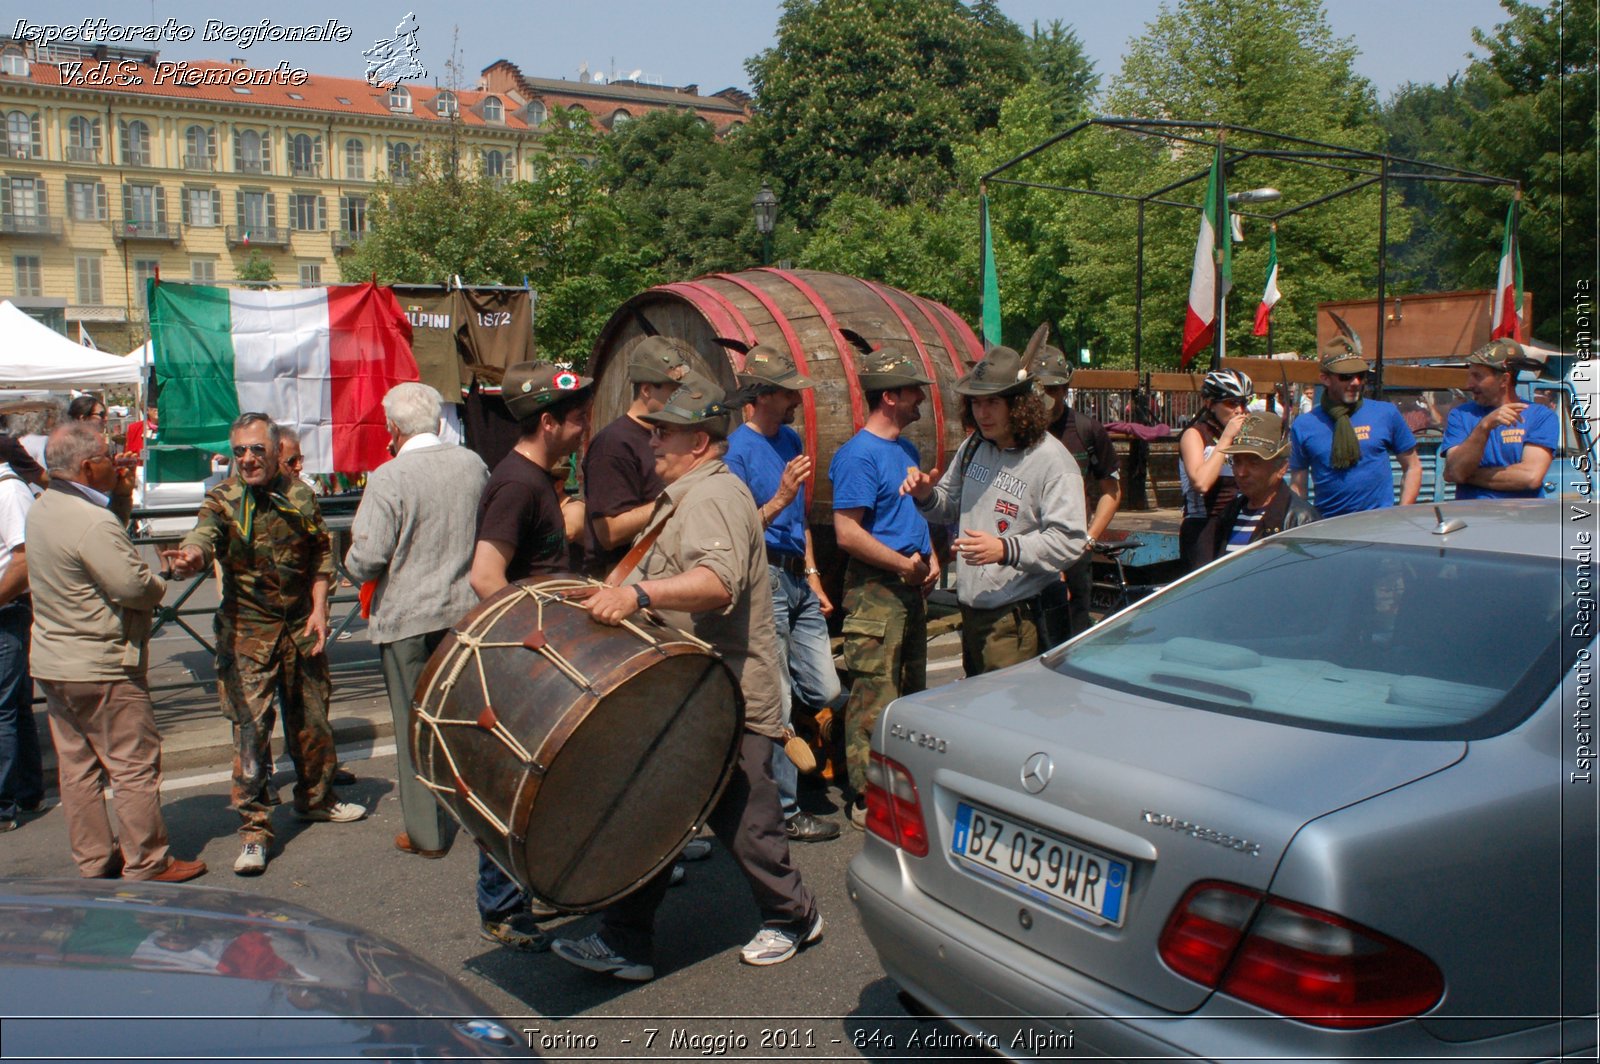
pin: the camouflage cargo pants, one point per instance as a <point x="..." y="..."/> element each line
<point x="252" y="667"/>
<point x="994" y="639"/>
<point x="885" y="651"/>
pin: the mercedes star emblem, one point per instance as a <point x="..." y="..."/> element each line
<point x="1036" y="772"/>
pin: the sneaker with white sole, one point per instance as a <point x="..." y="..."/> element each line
<point x="337" y="813"/>
<point x="519" y="931"/>
<point x="252" y="860"/>
<point x="696" y="850"/>
<point x="593" y="954"/>
<point x="774" y="945"/>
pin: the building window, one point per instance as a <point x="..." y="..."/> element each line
<point x="22" y="204"/>
<point x="353" y="214"/>
<point x="86" y="201"/>
<point x="252" y="152"/>
<point x="199" y="148"/>
<point x="445" y="103"/>
<point x="202" y="207"/>
<point x="310" y="273"/>
<point x="83" y="139"/>
<point x="400" y="158"/>
<point x="399" y="99"/>
<point x="257" y="210"/>
<point x="493" y="109"/>
<point x="22" y="135"/>
<point x="355" y="160"/>
<point x="14" y="63"/>
<point x="494" y="165"/>
<point x="144" y="208"/>
<point x="144" y="271"/>
<point x="203" y="270"/>
<point x="135" y="143"/>
<point x="307" y="211"/>
<point x="619" y="118"/>
<point x="305" y="155"/>
<point x="537" y="114"/>
<point x="30" y="275"/>
<point x="90" y="292"/>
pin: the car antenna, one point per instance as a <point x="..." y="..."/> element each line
<point x="1444" y="528"/>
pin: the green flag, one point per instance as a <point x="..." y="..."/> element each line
<point x="991" y="282"/>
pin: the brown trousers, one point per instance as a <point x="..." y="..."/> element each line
<point x="109" y="726"/>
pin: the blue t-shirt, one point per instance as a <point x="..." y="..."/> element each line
<point x="867" y="473"/>
<point x="758" y="461"/>
<point x="1369" y="484"/>
<point x="1504" y="448"/>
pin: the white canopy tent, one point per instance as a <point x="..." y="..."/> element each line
<point x="33" y="355"/>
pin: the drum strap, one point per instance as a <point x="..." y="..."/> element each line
<point x="631" y="560"/>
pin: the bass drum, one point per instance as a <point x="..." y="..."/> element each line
<point x="581" y="756"/>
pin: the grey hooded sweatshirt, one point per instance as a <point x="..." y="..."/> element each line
<point x="1032" y="498"/>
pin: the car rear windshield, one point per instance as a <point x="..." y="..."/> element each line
<point x="1352" y="637"/>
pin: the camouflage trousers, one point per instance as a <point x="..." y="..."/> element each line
<point x="992" y="639"/>
<point x="253" y="669"/>
<point x="885" y="651"/>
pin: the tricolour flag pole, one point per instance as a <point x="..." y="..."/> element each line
<point x="991" y="281"/>
<point x="1269" y="297"/>
<point x="1213" y="272"/>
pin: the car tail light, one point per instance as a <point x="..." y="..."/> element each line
<point x="1295" y="960"/>
<point x="894" y="812"/>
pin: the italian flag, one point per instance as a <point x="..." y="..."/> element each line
<point x="1508" y="288"/>
<point x="1199" y="327"/>
<point x="317" y="359"/>
<point x="1270" y="297"/>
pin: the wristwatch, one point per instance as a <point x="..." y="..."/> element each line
<point x="642" y="595"/>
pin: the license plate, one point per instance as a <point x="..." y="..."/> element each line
<point x="1040" y="865"/>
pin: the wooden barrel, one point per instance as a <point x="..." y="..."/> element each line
<point x="807" y="314"/>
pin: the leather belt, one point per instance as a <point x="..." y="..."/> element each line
<point x="793" y="564"/>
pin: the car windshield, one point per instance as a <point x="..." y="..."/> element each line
<point x="1353" y="637"/>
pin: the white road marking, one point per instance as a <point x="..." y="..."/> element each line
<point x="347" y="755"/>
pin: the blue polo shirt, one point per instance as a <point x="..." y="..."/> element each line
<point x="758" y="460"/>
<point x="867" y="473"/>
<point x="1536" y="426"/>
<point x="1369" y="484"/>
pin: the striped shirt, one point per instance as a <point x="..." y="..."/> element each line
<point x="1244" y="527"/>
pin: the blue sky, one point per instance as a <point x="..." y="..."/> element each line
<point x="707" y="41"/>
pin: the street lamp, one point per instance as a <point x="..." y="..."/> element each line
<point x="766" y="207"/>
<point x="1254" y="195"/>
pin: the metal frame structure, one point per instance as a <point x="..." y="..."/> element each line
<point x="1366" y="168"/>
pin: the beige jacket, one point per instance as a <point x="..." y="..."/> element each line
<point x="92" y="592"/>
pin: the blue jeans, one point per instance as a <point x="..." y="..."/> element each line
<point x="498" y="894"/>
<point x="21" y="773"/>
<point x="808" y="658"/>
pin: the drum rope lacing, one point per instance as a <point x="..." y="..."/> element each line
<point x="562" y="592"/>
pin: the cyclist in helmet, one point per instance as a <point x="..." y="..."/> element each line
<point x="1204" y="471"/>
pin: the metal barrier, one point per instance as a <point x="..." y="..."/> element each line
<point x="344" y="606"/>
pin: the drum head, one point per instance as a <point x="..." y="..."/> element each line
<point x="631" y="783"/>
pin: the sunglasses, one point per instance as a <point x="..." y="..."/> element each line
<point x="242" y="449"/>
<point x="1348" y="377"/>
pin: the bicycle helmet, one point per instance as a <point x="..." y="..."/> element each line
<point x="1227" y="384"/>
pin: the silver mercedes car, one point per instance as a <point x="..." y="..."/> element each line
<point x="1329" y="798"/>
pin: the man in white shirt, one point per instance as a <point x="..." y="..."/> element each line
<point x="21" y="774"/>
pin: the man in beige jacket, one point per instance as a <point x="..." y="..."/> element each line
<point x="92" y="596"/>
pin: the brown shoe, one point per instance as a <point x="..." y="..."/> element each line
<point x="178" y="871"/>
<point x="403" y="843"/>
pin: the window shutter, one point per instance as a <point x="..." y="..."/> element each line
<point x="238" y="209"/>
<point x="122" y="136"/>
<point x="272" y="210"/>
<point x="101" y="210"/>
<point x="94" y="135"/>
<point x="161" y="206"/>
<point x="38" y="151"/>
<point x="316" y="154"/>
<point x="294" y="212"/>
<point x="41" y="196"/>
<point x="211" y="142"/>
<point x="238" y="154"/>
<point x="127" y="203"/>
<point x="266" y="154"/>
<point x="185" y="215"/>
<point x="216" y="206"/>
<point x="5" y="195"/>
<point x="322" y="213"/>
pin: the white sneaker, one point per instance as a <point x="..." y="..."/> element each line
<point x="774" y="945"/>
<point x="696" y="850"/>
<point x="252" y="860"/>
<point x="337" y="813"/>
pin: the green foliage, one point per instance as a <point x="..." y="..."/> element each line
<point x="1529" y="114"/>
<point x="1424" y="122"/>
<point x="928" y="249"/>
<point x="1057" y="59"/>
<point x="256" y="269"/>
<point x="875" y="96"/>
<point x="685" y="194"/>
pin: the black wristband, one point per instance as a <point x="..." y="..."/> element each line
<point x="642" y="595"/>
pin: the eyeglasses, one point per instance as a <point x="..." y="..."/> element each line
<point x="1348" y="377"/>
<point x="242" y="449"/>
<point x="99" y="457"/>
<point x="295" y="462"/>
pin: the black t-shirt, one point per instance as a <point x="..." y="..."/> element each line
<point x="1089" y="443"/>
<point x="521" y="505"/>
<point x="619" y="473"/>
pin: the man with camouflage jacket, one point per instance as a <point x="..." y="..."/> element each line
<point x="266" y="532"/>
<point x="892" y="563"/>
